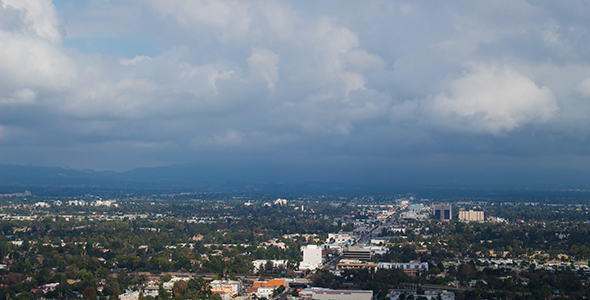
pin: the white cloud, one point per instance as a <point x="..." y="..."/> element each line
<point x="34" y="61"/>
<point x="264" y="63"/>
<point x="358" y="60"/>
<point x="281" y="20"/>
<point x="125" y="98"/>
<point x="584" y="87"/>
<point x="33" y="54"/>
<point x="489" y="99"/>
<point x="231" y="18"/>
<point x="25" y="96"/>
<point x="40" y="17"/>
<point x="133" y="61"/>
<point x="208" y="74"/>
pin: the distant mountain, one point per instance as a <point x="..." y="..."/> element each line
<point x="14" y="178"/>
<point x="56" y="176"/>
<point x="49" y="176"/>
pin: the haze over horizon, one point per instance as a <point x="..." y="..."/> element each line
<point x="336" y="90"/>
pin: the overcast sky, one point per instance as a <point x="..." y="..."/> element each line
<point x="355" y="89"/>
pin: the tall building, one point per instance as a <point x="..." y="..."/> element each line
<point x="312" y="257"/>
<point x="443" y="212"/>
<point x="471" y="216"/>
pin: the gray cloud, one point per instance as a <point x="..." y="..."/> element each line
<point x="378" y="82"/>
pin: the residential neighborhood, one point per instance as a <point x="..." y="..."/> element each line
<point x="183" y="246"/>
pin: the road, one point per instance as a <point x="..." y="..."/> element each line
<point x="333" y="262"/>
<point x="366" y="239"/>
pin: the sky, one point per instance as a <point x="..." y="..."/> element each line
<point x="296" y="90"/>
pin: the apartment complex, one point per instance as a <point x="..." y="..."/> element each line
<point x="471" y="216"/>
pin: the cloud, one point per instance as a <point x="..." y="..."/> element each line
<point x="230" y="138"/>
<point x="584" y="87"/>
<point x="133" y="61"/>
<point x="32" y="50"/>
<point x="359" y="60"/>
<point x="231" y="19"/>
<point x="24" y="96"/>
<point x="264" y="63"/>
<point x="359" y="80"/>
<point x="40" y="17"/>
<point x="492" y="100"/>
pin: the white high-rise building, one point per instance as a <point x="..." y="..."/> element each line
<point x="312" y="257"/>
<point x="472" y="216"/>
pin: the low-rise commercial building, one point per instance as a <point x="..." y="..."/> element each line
<point x="232" y="287"/>
<point x="329" y="294"/>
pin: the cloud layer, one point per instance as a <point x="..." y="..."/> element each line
<point x="269" y="82"/>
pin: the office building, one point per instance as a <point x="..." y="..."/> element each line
<point x="443" y="212"/>
<point x="362" y="255"/>
<point x="312" y="257"/>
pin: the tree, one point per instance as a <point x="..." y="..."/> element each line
<point x="200" y="286"/>
<point x="420" y="290"/>
<point x="466" y="271"/>
<point x="112" y="288"/>
<point x="164" y="264"/>
<point x="180" y="287"/>
<point x="102" y="272"/>
<point x="278" y="291"/>
<point x="163" y="293"/>
<point x="89" y="293"/>
<point x="269" y="266"/>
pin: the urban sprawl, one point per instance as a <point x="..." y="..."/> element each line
<point x="223" y="246"/>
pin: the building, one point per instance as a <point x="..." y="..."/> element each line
<point x="341" y="238"/>
<point x="25" y="194"/>
<point x="430" y="295"/>
<point x="274" y="283"/>
<point x="312" y="257"/>
<point x="260" y="291"/>
<point x="443" y="212"/>
<point x="382" y="240"/>
<point x="471" y="216"/>
<point x="362" y="255"/>
<point x="231" y="287"/>
<point x="416" y="207"/>
<point x="329" y="294"/>
<point x="411" y="215"/>
<point x="150" y="290"/>
<point x="410" y="268"/>
<point x="129" y="295"/>
<point x="281" y="202"/>
<point x="347" y="264"/>
<point x="223" y="295"/>
<point x="260" y="264"/>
